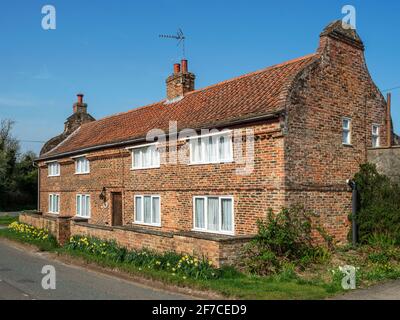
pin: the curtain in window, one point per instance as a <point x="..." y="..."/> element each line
<point x="226" y="215"/>
<point x="199" y="213"/>
<point x="136" y="159"/>
<point x="212" y="214"/>
<point x="156" y="210"/>
<point x="138" y="209"/>
<point x="225" y="152"/>
<point x="212" y="145"/>
<point x="78" y="205"/>
<point x="87" y="206"/>
<point x="147" y="209"/>
<point x="196" y="150"/>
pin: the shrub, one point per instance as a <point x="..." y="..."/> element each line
<point x="379" y="212"/>
<point x="185" y="266"/>
<point x="285" y="237"/>
<point x="29" y="232"/>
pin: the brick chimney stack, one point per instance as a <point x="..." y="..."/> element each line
<point x="180" y="82"/>
<point x="79" y="106"/>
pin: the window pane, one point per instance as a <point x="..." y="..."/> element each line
<point x="226" y="215"/>
<point x="54" y="204"/>
<point x="50" y="202"/>
<point x="83" y="206"/>
<point x="156" y="210"/>
<point x="212" y="214"/>
<point x="146" y="157"/>
<point x="136" y="159"/>
<point x="147" y="209"/>
<point x="138" y="209"/>
<point x="225" y="148"/>
<point x="87" y="208"/>
<point x="346" y="123"/>
<point x="78" y="205"/>
<point x="346" y="137"/>
<point x="199" y="213"/>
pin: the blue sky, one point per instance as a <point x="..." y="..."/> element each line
<point x="110" y="50"/>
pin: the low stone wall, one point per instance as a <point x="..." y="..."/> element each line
<point x="221" y="250"/>
<point x="387" y="161"/>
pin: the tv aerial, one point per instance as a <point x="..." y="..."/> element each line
<point x="179" y="36"/>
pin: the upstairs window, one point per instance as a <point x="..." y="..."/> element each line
<point x="211" y="149"/>
<point x="54" y="203"/>
<point x="147" y="210"/>
<point x="83" y="205"/>
<point x="145" y="157"/>
<point x="375" y="136"/>
<point x="54" y="169"/>
<point x="213" y="214"/>
<point x="346" y="135"/>
<point x="82" y="165"/>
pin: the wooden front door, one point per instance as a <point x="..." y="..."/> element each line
<point x="116" y="209"/>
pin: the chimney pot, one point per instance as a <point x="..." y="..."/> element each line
<point x="184" y="63"/>
<point x="80" y="98"/>
<point x="177" y="68"/>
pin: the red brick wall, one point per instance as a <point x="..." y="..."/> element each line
<point x="176" y="184"/>
<point x="317" y="163"/>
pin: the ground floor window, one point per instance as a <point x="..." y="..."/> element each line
<point x="54" y="203"/>
<point x="213" y="214"/>
<point x="83" y="205"/>
<point x="147" y="210"/>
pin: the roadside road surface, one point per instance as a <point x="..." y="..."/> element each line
<point x="21" y="278"/>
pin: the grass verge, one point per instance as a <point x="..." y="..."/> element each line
<point x="6" y="220"/>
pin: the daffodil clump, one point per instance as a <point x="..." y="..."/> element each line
<point x="28" y="232"/>
<point x="182" y="266"/>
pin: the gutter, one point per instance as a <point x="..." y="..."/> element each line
<point x="143" y="139"/>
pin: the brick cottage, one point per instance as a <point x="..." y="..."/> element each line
<point x="313" y="120"/>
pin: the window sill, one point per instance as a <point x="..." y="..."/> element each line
<point x="158" y="225"/>
<point x="145" y="168"/>
<point x="226" y="233"/>
<point x="82" y="217"/>
<point x="81" y="173"/>
<point x="58" y="175"/>
<point x="55" y="213"/>
<point x="348" y="145"/>
<point x="208" y="163"/>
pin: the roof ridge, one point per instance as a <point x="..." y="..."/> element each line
<point x="279" y="65"/>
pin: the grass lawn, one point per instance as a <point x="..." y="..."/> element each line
<point x="6" y="220"/>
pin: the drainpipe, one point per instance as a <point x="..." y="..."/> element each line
<point x="389" y="120"/>
<point x="354" y="205"/>
<point x="38" y="185"/>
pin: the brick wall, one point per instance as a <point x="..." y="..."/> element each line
<point x="175" y="183"/>
<point x="317" y="163"/>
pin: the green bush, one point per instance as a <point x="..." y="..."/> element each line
<point x="185" y="266"/>
<point x="282" y="238"/>
<point x="378" y="217"/>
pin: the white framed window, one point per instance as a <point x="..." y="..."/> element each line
<point x="54" y="169"/>
<point x="54" y="203"/>
<point x="375" y="136"/>
<point x="83" y="205"/>
<point x="82" y="165"/>
<point x="213" y="214"/>
<point x="148" y="210"/>
<point x="145" y="157"/>
<point x="211" y="149"/>
<point x="346" y="131"/>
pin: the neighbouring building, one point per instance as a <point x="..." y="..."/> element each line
<point x="313" y="120"/>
